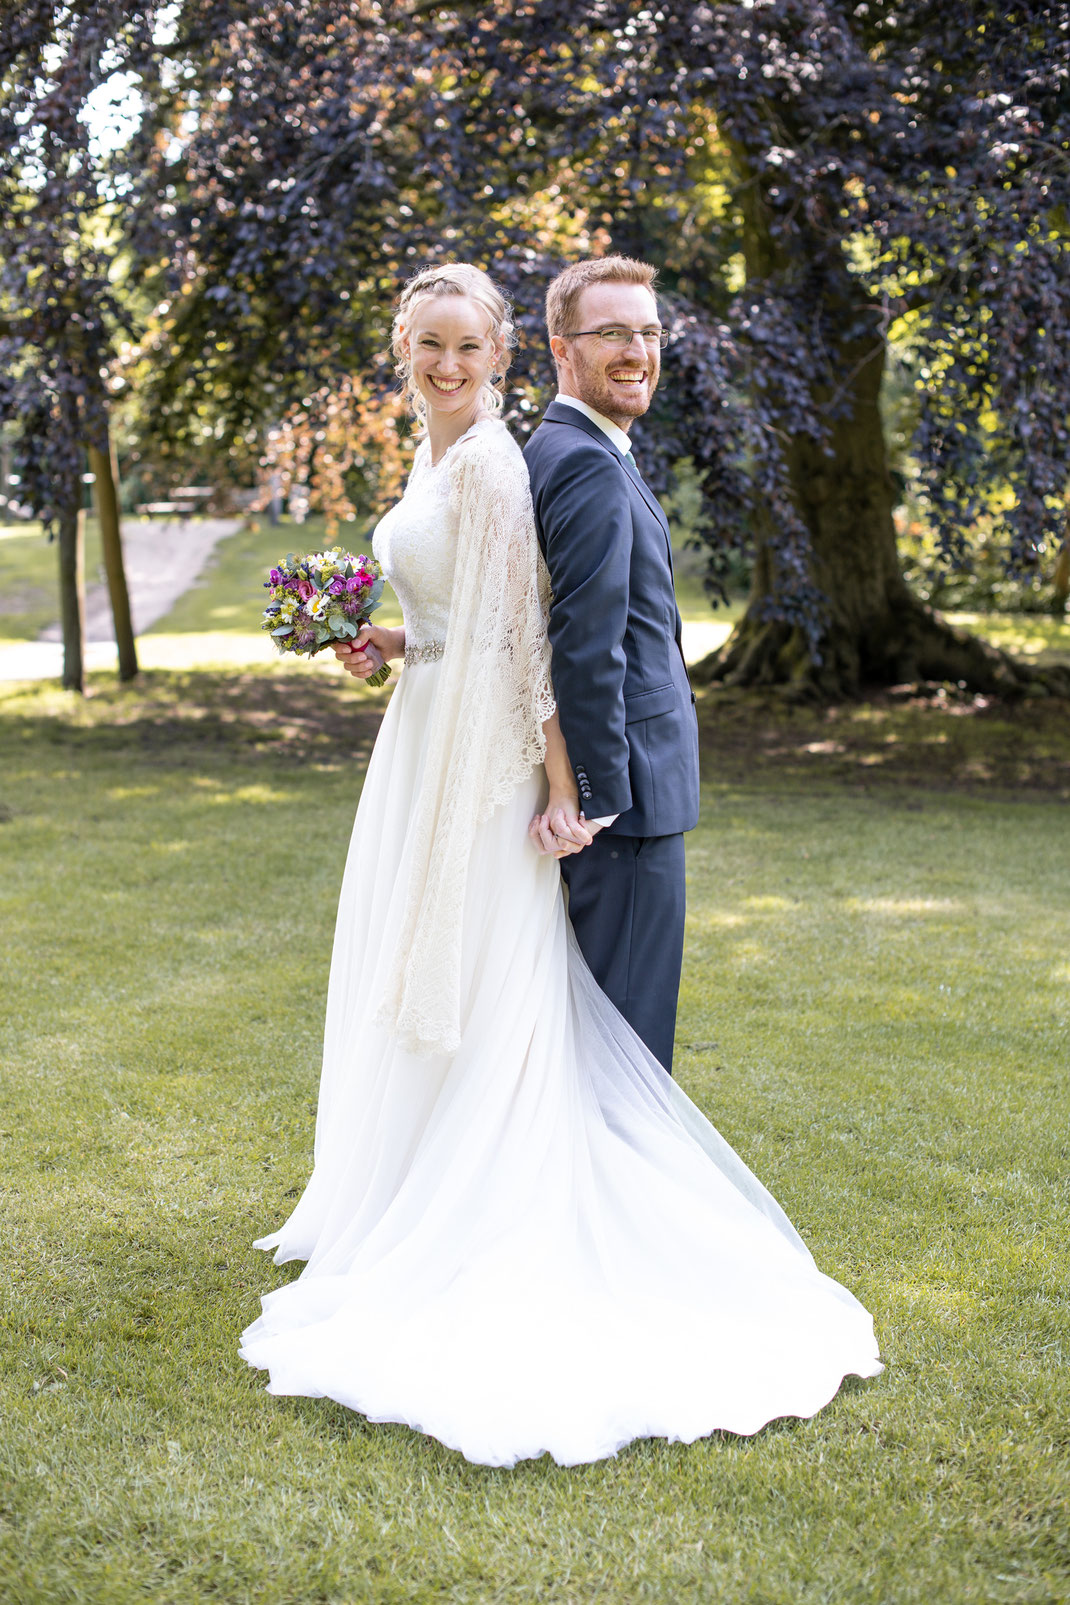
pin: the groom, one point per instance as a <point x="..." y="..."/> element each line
<point x="624" y="700"/>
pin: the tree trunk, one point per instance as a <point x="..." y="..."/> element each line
<point x="106" y="485"/>
<point x="72" y="590"/>
<point x="1061" y="576"/>
<point x="877" y="632"/>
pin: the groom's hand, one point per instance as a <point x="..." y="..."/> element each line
<point x="562" y="829"/>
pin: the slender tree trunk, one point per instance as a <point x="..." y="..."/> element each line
<point x="72" y="589"/>
<point x="106" y="485"/>
<point x="1061" y="576"/>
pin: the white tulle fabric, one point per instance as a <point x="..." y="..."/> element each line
<point x="484" y="733"/>
<point x="533" y="1243"/>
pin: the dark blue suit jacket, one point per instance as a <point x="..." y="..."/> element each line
<point x="626" y="706"/>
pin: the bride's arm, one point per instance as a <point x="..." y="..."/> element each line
<point x="561" y="828"/>
<point x="387" y="644"/>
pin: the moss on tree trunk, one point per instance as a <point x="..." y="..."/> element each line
<point x="102" y="462"/>
<point x="1061" y="576"/>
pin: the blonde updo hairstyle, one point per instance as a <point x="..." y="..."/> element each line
<point x="454" y="278"/>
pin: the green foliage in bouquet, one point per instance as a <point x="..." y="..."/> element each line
<point x="322" y="598"/>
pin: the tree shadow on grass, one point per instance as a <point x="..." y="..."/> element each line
<point x="173" y="719"/>
<point x="911" y="739"/>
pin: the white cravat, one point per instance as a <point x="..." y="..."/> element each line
<point x="618" y="438"/>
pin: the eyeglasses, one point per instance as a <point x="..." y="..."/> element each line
<point x="618" y="337"/>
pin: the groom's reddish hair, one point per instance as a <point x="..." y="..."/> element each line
<point x="566" y="289"/>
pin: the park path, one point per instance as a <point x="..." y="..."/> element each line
<point x="162" y="558"/>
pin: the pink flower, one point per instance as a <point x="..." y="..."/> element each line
<point x="305" y="590"/>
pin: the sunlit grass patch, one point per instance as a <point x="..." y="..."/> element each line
<point x="1033" y="636"/>
<point x="874" y="1012"/>
<point x="216" y="621"/>
<point x="227" y="599"/>
<point x="29" y="577"/>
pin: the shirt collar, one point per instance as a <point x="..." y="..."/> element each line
<point x="606" y="425"/>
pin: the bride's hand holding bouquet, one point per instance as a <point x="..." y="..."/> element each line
<point x="373" y="646"/>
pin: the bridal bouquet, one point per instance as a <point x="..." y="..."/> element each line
<point x="321" y="598"/>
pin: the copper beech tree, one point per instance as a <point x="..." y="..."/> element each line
<point x="818" y="183"/>
<point x="816" y="180"/>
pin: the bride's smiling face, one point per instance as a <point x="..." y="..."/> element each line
<point x="451" y="351"/>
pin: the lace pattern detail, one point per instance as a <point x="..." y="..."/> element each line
<point x="416" y="542"/>
<point x="492" y="696"/>
<point x="424" y="652"/>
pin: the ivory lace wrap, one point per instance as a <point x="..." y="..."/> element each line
<point x="491" y="697"/>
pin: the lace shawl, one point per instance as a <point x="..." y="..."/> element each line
<point x="484" y="738"/>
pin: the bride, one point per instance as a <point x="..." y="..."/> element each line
<point x="521" y="1236"/>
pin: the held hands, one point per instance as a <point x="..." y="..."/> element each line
<point x="369" y="649"/>
<point x="562" y="829"/>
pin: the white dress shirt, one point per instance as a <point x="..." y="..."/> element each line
<point x="606" y="425"/>
<point x="618" y="438"/>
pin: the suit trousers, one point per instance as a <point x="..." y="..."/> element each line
<point x="626" y="901"/>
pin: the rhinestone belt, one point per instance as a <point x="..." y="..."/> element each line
<point x="426" y="652"/>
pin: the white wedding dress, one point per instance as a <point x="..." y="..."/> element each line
<point x="535" y="1242"/>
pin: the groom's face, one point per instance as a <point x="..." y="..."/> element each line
<point x="617" y="381"/>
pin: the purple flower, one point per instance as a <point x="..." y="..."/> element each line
<point x="337" y="586"/>
<point x="275" y="577"/>
<point x="357" y="583"/>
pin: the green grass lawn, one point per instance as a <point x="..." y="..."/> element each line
<point x="29" y="577"/>
<point x="224" y="605"/>
<point x="875" y="1012"/>
<point x="227" y="599"/>
<point x="229" y="596"/>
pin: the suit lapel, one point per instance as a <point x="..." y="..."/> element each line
<point x="648" y="495"/>
<point x="573" y="418"/>
<point x="558" y="414"/>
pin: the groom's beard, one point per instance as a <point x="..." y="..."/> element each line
<point x="619" y="401"/>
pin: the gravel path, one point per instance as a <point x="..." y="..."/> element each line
<point x="162" y="558"/>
